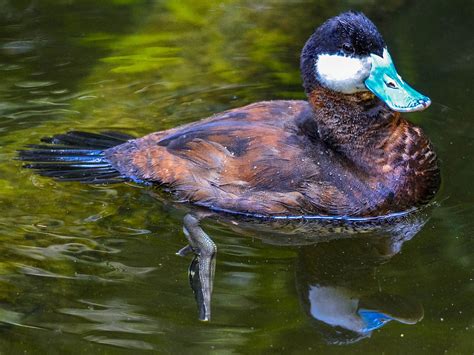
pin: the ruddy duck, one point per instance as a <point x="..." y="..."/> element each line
<point x="345" y="152"/>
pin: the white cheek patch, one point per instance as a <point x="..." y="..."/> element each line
<point x="335" y="306"/>
<point x="343" y="74"/>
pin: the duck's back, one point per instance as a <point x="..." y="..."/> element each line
<point x="265" y="158"/>
<point x="248" y="159"/>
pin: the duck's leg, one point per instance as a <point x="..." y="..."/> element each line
<point x="202" y="267"/>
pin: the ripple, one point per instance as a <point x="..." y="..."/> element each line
<point x="77" y="247"/>
<point x="51" y="112"/>
<point x="34" y="84"/>
<point x="13" y="318"/>
<point x="37" y="271"/>
<point x="239" y="250"/>
<point x="120" y="269"/>
<point x="46" y="102"/>
<point x="49" y="223"/>
<point x="113" y="316"/>
<point x="10" y="67"/>
<point x="121" y="343"/>
<point x="133" y="231"/>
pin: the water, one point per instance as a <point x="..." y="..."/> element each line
<point x="92" y="269"/>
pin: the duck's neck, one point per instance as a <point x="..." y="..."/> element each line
<point x="379" y="143"/>
<point x="356" y="126"/>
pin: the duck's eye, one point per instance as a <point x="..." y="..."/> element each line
<point x="347" y="48"/>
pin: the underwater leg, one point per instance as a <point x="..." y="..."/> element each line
<point x="203" y="265"/>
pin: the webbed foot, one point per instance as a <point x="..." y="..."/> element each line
<point x="202" y="267"/>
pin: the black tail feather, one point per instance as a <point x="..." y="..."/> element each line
<point x="86" y="139"/>
<point x="75" y="156"/>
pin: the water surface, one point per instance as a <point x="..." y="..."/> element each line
<point x="92" y="268"/>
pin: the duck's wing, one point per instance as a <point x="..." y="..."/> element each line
<point x="244" y="159"/>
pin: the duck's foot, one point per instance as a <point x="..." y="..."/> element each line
<point x="203" y="265"/>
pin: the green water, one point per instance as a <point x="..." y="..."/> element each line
<point x="92" y="269"/>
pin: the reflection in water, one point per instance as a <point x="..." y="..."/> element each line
<point x="338" y="288"/>
<point x="335" y="274"/>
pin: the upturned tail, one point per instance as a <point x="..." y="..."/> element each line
<point x="75" y="156"/>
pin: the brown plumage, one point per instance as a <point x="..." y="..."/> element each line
<point x="280" y="158"/>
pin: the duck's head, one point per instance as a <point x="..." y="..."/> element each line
<point x="348" y="55"/>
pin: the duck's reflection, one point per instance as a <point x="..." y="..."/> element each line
<point x="339" y="291"/>
<point x="336" y="267"/>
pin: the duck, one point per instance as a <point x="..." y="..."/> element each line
<point x="346" y="151"/>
